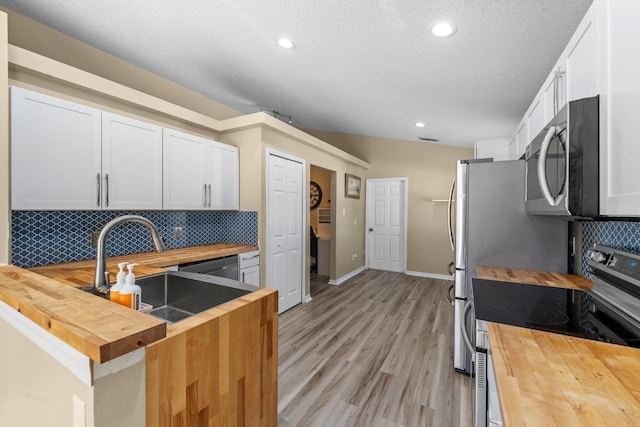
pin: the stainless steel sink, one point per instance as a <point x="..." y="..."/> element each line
<point x="177" y="295"/>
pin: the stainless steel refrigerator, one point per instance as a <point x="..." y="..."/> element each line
<point x="492" y="228"/>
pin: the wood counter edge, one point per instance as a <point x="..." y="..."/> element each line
<point x="88" y="342"/>
<point x="533" y="277"/>
<point x="93" y="344"/>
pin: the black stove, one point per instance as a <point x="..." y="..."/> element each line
<point x="610" y="312"/>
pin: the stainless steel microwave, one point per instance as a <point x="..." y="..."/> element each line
<point x="562" y="163"/>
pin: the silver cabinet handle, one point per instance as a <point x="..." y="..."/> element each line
<point x="204" y="196"/>
<point x="465" y="332"/>
<point x="542" y="168"/>
<point x="106" y="189"/>
<point x="450" y="210"/>
<point x="98" y="190"/>
<point x="243" y="277"/>
<point x="209" y="195"/>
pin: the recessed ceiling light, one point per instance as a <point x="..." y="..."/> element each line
<point x="443" y="29"/>
<point x="286" y="43"/>
<point x="419" y="124"/>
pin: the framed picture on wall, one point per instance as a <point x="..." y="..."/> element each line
<point x="351" y="186"/>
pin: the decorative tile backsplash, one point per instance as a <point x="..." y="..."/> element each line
<point x="51" y="237"/>
<point x="623" y="235"/>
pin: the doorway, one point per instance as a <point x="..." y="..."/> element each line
<point x="285" y="220"/>
<point x="321" y="220"/>
<point x="386" y="240"/>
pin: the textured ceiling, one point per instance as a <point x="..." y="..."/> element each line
<point x="360" y="66"/>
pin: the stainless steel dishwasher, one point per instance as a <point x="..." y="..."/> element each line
<point x="221" y="267"/>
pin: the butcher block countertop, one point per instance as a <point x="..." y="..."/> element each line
<point x="98" y="328"/>
<point x="82" y="272"/>
<point x="546" y="379"/>
<point x="532" y="277"/>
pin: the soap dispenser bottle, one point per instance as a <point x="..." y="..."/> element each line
<point x="114" y="292"/>
<point x="130" y="293"/>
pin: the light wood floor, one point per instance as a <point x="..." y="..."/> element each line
<point x="374" y="351"/>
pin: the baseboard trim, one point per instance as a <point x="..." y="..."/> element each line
<point x="429" y="275"/>
<point x="307" y="298"/>
<point x="347" y="276"/>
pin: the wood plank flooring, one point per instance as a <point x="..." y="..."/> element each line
<point x="374" y="351"/>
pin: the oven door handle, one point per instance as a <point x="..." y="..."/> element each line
<point x="542" y="167"/>
<point x="465" y="332"/>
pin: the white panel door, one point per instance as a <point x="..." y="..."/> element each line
<point x="285" y="204"/>
<point x="55" y="153"/>
<point x="385" y="219"/>
<point x="131" y="164"/>
<point x="184" y="165"/>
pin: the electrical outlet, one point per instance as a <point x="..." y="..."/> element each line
<point x="177" y="232"/>
<point x="355" y="222"/>
<point x="94" y="238"/>
<point x="354" y="256"/>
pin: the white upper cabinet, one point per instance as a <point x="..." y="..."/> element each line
<point x="185" y="177"/>
<point x="574" y="76"/>
<point x="67" y="156"/>
<point x="497" y="149"/>
<point x="199" y="173"/>
<point x="55" y="153"/>
<point x="535" y="118"/>
<point x="131" y="164"/>
<point x="582" y="59"/>
<point x="224" y="170"/>
<point x="522" y="138"/>
<point x="619" y="85"/>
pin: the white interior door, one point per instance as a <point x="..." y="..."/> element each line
<point x="285" y="202"/>
<point x="386" y="220"/>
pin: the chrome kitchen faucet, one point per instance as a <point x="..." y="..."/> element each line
<point x="100" y="281"/>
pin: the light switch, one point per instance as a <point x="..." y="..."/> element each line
<point x="344" y="211"/>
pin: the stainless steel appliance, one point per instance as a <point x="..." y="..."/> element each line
<point x="562" y="163"/>
<point x="610" y="312"/>
<point x="221" y="267"/>
<point x="492" y="228"/>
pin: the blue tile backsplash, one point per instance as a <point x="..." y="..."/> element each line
<point x="52" y="237"/>
<point x="623" y="235"/>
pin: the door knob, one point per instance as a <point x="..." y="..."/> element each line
<point x="371" y="229"/>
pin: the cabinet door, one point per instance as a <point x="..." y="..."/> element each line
<point x="224" y="177"/>
<point x="619" y="106"/>
<point x="522" y="138"/>
<point x="55" y="153"/>
<point x="184" y="166"/>
<point x="131" y="164"/>
<point x="498" y="149"/>
<point x="548" y="97"/>
<point x="251" y="275"/>
<point x="535" y="119"/>
<point x="513" y="148"/>
<point x="582" y="60"/>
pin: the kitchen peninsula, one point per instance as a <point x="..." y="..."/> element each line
<point x="80" y="357"/>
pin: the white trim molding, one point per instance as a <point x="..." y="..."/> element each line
<point x="307" y="298"/>
<point x="347" y="276"/>
<point x="429" y="275"/>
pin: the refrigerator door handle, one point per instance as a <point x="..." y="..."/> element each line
<point x="465" y="332"/>
<point x="450" y="210"/>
